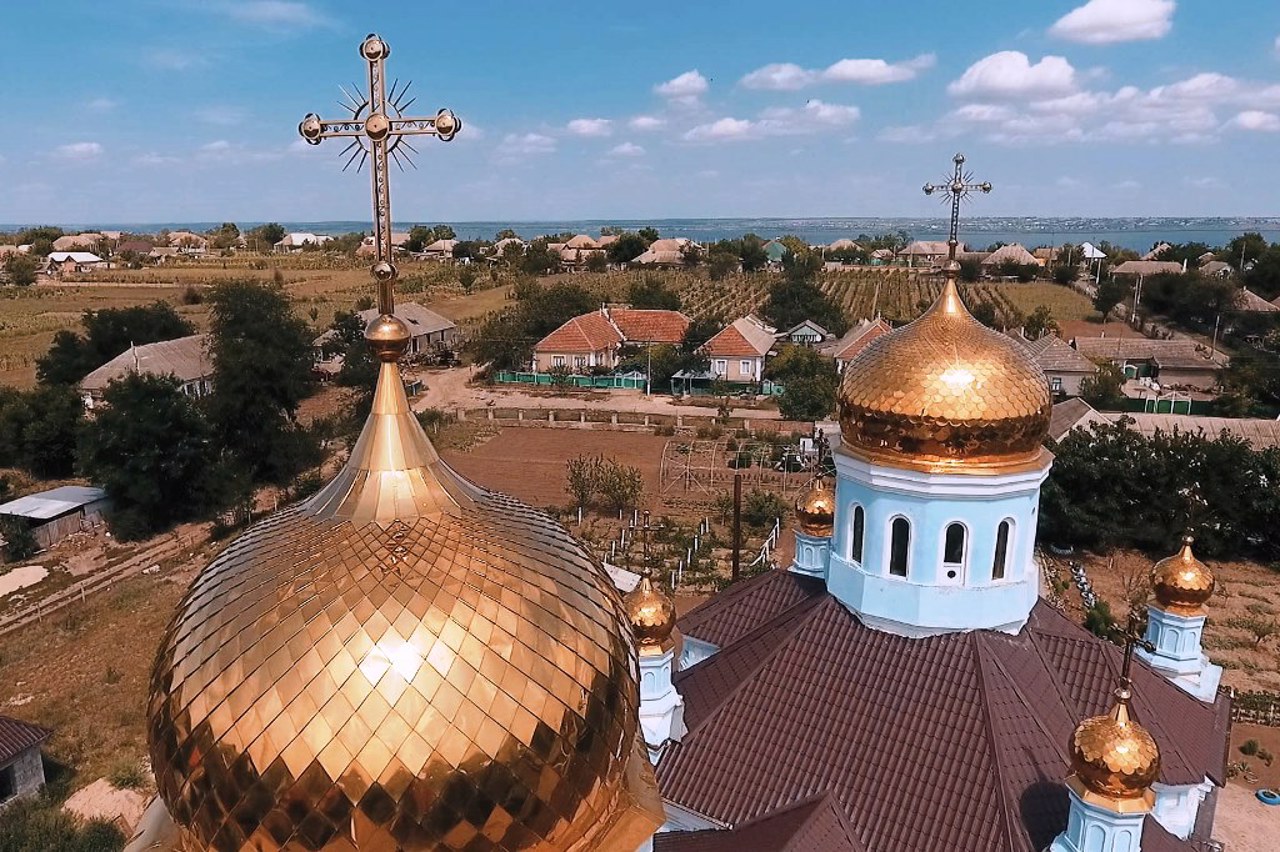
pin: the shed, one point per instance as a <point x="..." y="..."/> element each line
<point x="21" y="768"/>
<point x="57" y="513"/>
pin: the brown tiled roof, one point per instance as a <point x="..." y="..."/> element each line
<point x="815" y="825"/>
<point x="1146" y="267"/>
<point x="650" y="326"/>
<point x="741" y="338"/>
<point x="857" y="338"/>
<point x="1014" y="252"/>
<point x="951" y="742"/>
<point x="1251" y="301"/>
<point x="17" y="736"/>
<point x="587" y="333"/>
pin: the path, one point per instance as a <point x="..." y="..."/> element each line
<point x="449" y="389"/>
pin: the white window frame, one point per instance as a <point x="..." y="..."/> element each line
<point x="747" y="367"/>
<point x="720" y="367"/>
<point x="580" y="362"/>
<point x="1055" y="384"/>
<point x="557" y="361"/>
<point x="961" y="568"/>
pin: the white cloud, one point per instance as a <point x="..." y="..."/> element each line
<point x="1277" y="45"/>
<point x="216" y="147"/>
<point x="223" y="152"/>
<point x="78" y="151"/>
<point x="833" y="115"/>
<point x="1067" y="182"/>
<point x="101" y="105"/>
<point x="274" y="14"/>
<point x="1010" y="74"/>
<point x="982" y="113"/>
<point x="627" y="149"/>
<point x="685" y="88"/>
<point x="166" y="59"/>
<point x="1204" y="183"/>
<point x="590" y="127"/>
<point x="720" y="129"/>
<point x="1112" y="21"/>
<point x="220" y="115"/>
<point x="1254" y="119"/>
<point x="787" y="76"/>
<point x="647" y="123"/>
<point x="515" y="146"/>
<point x="910" y="134"/>
<point x="814" y="117"/>
<point x="151" y="158"/>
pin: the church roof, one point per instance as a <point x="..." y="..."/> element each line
<point x="817" y="823"/>
<point x="951" y="742"/>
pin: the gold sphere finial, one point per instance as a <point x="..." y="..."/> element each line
<point x="388" y="337"/>
<point x="1113" y="756"/>
<point x="1182" y="583"/>
<point x="816" y="509"/>
<point x="651" y="612"/>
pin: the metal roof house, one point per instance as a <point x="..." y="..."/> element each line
<point x="21" y="767"/>
<point x="185" y="358"/>
<point x="57" y="513"/>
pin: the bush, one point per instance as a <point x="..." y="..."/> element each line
<point x="1249" y="748"/>
<point x="41" y="824"/>
<point x="1099" y="621"/>
<point x="761" y="508"/>
<point x="127" y="775"/>
<point x="20" y="542"/>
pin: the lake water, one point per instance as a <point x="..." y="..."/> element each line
<point x="1135" y="233"/>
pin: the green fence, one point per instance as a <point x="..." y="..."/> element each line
<point x="546" y="379"/>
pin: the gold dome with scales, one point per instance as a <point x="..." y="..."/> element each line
<point x="405" y="661"/>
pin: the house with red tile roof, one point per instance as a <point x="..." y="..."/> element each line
<point x="857" y="338"/>
<point x="593" y="341"/>
<point x="738" y="351"/>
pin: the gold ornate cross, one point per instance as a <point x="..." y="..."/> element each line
<point x="959" y="188"/>
<point x="377" y="129"/>
<point x="1133" y="637"/>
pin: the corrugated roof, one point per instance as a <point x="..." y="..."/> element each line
<point x="1146" y="267"/>
<point x="1055" y="355"/>
<point x="928" y="248"/>
<point x="950" y="742"/>
<point x="1013" y="252"/>
<point x="184" y="358"/>
<point x="50" y="504"/>
<point x="1251" y="301"/>
<point x="742" y="337"/>
<point x="1177" y="352"/>
<point x="1260" y="433"/>
<point x="649" y="325"/>
<point x="74" y="256"/>
<point x="16" y="736"/>
<point x="1073" y="413"/>
<point x="654" y="257"/>
<point x="419" y="319"/>
<point x="814" y="825"/>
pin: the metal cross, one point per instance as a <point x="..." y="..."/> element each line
<point x="1133" y="637"/>
<point x="959" y="187"/>
<point x="644" y="534"/>
<point x="377" y="129"/>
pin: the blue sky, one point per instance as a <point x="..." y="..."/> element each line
<point x="173" y="110"/>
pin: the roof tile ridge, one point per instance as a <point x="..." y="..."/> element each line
<point x="976" y="648"/>
<point x="731" y="594"/>
<point x="786" y="623"/>
<point x="1036" y="717"/>
<point x="608" y="317"/>
<point x="1033" y="633"/>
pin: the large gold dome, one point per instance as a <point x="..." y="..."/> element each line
<point x="1182" y="583"/>
<point x="943" y="390"/>
<point x="1113" y="756"/>
<point x="404" y="662"/>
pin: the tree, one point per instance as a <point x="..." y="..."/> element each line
<point x="506" y="234"/>
<point x="39" y="428"/>
<point x="20" y="541"/>
<point x="970" y="270"/>
<point x="597" y="262"/>
<point x="1039" y="323"/>
<point x="1264" y="277"/>
<point x="1248" y="246"/>
<point x="985" y="313"/>
<point x="721" y="264"/>
<point x="582" y="479"/>
<point x="793" y="300"/>
<point x="421" y="236"/>
<point x="152" y="451"/>
<point x="651" y="292"/>
<point x="21" y="269"/>
<point x="1110" y="293"/>
<point x="505" y="341"/>
<point x="649" y="234"/>
<point x="261" y="357"/>
<point x="539" y="259"/>
<point x="225" y="236"/>
<point x="620" y="485"/>
<point x="1065" y="274"/>
<point x="809" y="382"/>
<point x="264" y="237"/>
<point x="1102" y="390"/>
<point x="107" y="333"/>
<point x="626" y="248"/>
<point x="752" y="254"/>
<point x="467" y="277"/>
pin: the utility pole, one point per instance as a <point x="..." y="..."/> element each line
<point x="737" y="525"/>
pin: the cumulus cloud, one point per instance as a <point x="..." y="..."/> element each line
<point x="590" y="127"/>
<point x="152" y="158"/>
<point x="909" y="134"/>
<point x="685" y="88"/>
<point x="1256" y="119"/>
<point x="627" y="149"/>
<point x="1112" y="21"/>
<point x="515" y="146"/>
<point x="814" y="117"/>
<point x="78" y="152"/>
<point x="647" y="123"/>
<point x="101" y="105"/>
<point x="220" y="115"/>
<point x="787" y="76"/>
<point x="1010" y="74"/>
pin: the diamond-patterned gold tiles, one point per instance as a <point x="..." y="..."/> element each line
<point x="945" y="389"/>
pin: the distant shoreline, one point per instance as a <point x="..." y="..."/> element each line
<point x="1138" y="233"/>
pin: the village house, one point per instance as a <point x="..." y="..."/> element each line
<point x="593" y="341"/>
<point x="1177" y="362"/>
<point x="1252" y="302"/>
<point x="188" y="242"/>
<point x="1012" y="253"/>
<point x="441" y="250"/>
<point x="775" y="251"/>
<point x="1156" y="251"/>
<point x="806" y="333"/>
<point x="1143" y="268"/>
<point x="738" y="351"/>
<point x="296" y="242"/>
<point x="89" y="241"/>
<point x="853" y="341"/>
<point x="136" y="246"/>
<point x="72" y="262"/>
<point x="927" y="252"/>
<point x="1261" y="433"/>
<point x="368" y="249"/>
<point x="57" y="513"/>
<point x="1216" y="269"/>
<point x="21" y="766"/>
<point x="1063" y="366"/>
<point x="185" y="359"/>
<point x="428" y="330"/>
<point x="164" y="254"/>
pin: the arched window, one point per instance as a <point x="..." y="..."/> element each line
<point x="856" y="534"/>
<point x="953" y="553"/>
<point x="1003" y="533"/>
<point x="899" y="546"/>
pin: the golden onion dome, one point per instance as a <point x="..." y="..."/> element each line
<point x="1182" y="583"/>
<point x="651" y="613"/>
<point x="816" y="510"/>
<point x="1113" y="756"/>
<point x="945" y="390"/>
<point x="404" y="661"/>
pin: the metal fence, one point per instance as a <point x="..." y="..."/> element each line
<point x="577" y="381"/>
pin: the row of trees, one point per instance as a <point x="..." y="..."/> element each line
<point x="603" y="481"/>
